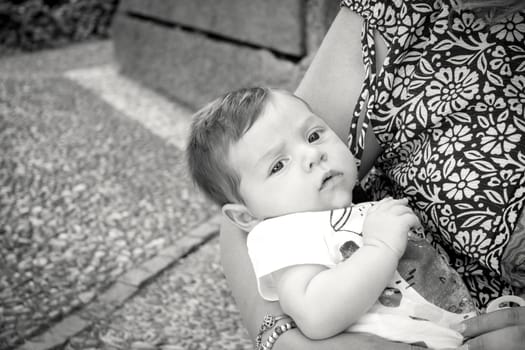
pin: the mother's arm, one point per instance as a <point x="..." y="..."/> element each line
<point x="331" y="86"/>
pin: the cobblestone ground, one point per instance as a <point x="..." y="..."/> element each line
<point x="85" y="193"/>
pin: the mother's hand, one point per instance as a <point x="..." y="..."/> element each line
<point x="502" y="330"/>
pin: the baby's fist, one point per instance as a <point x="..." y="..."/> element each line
<point x="388" y="222"/>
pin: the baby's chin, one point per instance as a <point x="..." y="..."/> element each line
<point x="338" y="202"/>
<point x="341" y="201"/>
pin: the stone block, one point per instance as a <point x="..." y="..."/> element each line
<point x="192" y="68"/>
<point x="56" y="335"/>
<point x="135" y="277"/>
<point x="116" y="295"/>
<point x="274" y="24"/>
<point x="181" y="247"/>
<point x="206" y="230"/>
<point x="157" y="264"/>
<point x="193" y="51"/>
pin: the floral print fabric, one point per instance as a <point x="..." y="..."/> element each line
<point x="448" y="108"/>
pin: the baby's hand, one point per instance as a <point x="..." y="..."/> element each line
<point x="388" y="222"/>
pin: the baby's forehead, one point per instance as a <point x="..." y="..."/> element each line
<point x="285" y="95"/>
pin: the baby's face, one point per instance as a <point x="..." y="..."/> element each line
<point x="291" y="161"/>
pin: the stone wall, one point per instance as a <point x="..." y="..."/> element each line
<point x="195" y="50"/>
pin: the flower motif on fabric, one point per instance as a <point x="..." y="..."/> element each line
<point x="385" y="20"/>
<point x="452" y="89"/>
<point x="500" y="137"/>
<point x="454" y="139"/>
<point x="447" y="219"/>
<point x="516" y="91"/>
<point x="429" y="174"/>
<point x="461" y="184"/>
<point x="467" y="23"/>
<point x="402" y="82"/>
<point x="410" y="28"/>
<point x="504" y="178"/>
<point x="472" y="243"/>
<point x="406" y="125"/>
<point x="512" y="29"/>
<point x="501" y="61"/>
<point x="491" y="103"/>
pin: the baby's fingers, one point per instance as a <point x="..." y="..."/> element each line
<point x="388" y="203"/>
<point x="411" y="220"/>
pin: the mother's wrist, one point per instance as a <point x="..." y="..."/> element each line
<point x="271" y="329"/>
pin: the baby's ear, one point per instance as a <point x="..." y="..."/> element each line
<point x="240" y="216"/>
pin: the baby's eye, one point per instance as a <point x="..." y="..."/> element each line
<point x="277" y="167"/>
<point x="314" y="136"/>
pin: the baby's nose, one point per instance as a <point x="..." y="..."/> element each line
<point x="314" y="157"/>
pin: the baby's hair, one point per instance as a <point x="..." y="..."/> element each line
<point x="214" y="129"/>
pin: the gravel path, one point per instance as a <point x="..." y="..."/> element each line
<point x="85" y="194"/>
<point x="188" y="307"/>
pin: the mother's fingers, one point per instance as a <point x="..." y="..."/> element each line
<point x="496" y="320"/>
<point x="509" y="338"/>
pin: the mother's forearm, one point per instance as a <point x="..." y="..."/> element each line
<point x="293" y="340"/>
<point x="241" y="279"/>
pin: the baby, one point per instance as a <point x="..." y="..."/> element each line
<point x="281" y="174"/>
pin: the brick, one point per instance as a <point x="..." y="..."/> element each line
<point x="274" y="24"/>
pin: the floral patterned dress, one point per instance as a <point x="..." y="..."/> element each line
<point x="448" y="109"/>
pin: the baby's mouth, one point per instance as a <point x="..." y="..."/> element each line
<point x="328" y="177"/>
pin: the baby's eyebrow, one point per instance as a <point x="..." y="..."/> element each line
<point x="279" y="147"/>
<point x="312" y="119"/>
<point x="270" y="153"/>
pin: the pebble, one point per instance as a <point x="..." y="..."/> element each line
<point x="140" y="345"/>
<point x="40" y="262"/>
<point x="171" y="347"/>
<point x="85" y="297"/>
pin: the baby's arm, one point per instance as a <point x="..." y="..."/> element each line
<point x="324" y="302"/>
